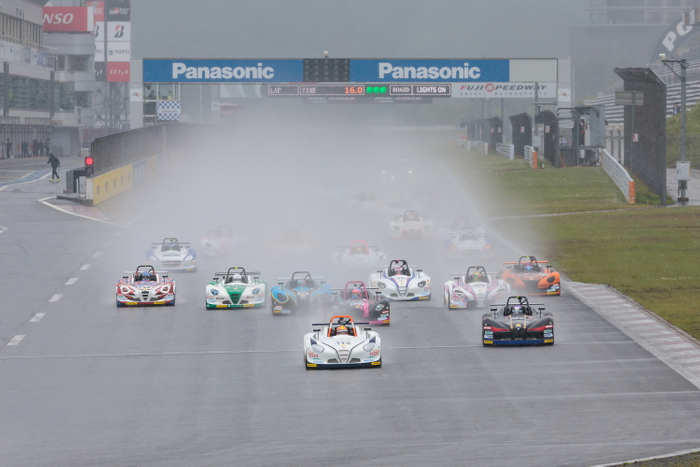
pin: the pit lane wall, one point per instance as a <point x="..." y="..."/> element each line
<point x="126" y="159"/>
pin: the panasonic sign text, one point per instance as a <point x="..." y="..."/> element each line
<point x="188" y="71"/>
<point x="365" y="70"/>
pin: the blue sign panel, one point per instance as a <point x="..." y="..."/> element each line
<point x="223" y="71"/>
<point x="416" y="71"/>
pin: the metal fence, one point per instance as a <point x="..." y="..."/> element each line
<point x="121" y="149"/>
<point x="618" y="174"/>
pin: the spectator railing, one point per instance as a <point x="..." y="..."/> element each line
<point x="618" y="174"/>
<point x="531" y="157"/>
<point x="505" y="150"/>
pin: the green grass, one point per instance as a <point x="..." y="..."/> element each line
<point x="524" y="191"/>
<point x="650" y="255"/>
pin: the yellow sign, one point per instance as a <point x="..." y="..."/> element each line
<point x="311" y="365"/>
<point x="488" y="342"/>
<point x="376" y="363"/>
<point x="549" y="341"/>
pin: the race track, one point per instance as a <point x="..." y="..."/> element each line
<point x="91" y="384"/>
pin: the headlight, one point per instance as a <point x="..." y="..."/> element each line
<point x="316" y="347"/>
<point x="256" y="291"/>
<point x="188" y="258"/>
<point x="214" y="292"/>
<point x="381" y="285"/>
<point x="459" y="292"/>
<point x="369" y="346"/>
<point x="550" y="279"/>
<point x="421" y="284"/>
<point x="379" y="307"/>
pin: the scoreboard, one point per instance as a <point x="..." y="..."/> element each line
<point x="359" y="90"/>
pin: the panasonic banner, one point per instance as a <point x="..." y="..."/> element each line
<point x="416" y="71"/>
<point x="222" y="71"/>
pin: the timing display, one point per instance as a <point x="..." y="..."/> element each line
<point x="331" y="90"/>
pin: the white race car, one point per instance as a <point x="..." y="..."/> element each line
<point x="221" y="241"/>
<point x="171" y="255"/>
<point x="410" y="225"/>
<point x="359" y="255"/>
<point x="341" y="344"/>
<point x="236" y="288"/>
<point x="402" y="282"/>
<point x="475" y="288"/>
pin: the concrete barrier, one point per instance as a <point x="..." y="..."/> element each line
<point x="505" y="150"/>
<point x="110" y="184"/>
<point x="531" y="157"/>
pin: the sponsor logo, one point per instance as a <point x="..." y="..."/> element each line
<point x="549" y="341"/>
<point x="387" y="70"/>
<point x="374" y="353"/>
<point x="227" y="72"/>
<point x="488" y="342"/>
<point x="376" y="363"/>
<point x="58" y="18"/>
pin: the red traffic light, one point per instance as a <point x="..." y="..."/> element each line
<point x="89" y="161"/>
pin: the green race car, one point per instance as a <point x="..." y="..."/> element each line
<point x="236" y="288"/>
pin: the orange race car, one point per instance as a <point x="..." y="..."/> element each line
<point x="532" y="277"/>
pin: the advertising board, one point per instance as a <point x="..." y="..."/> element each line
<point x="118" y="72"/>
<point x="117" y="52"/>
<point x="505" y="90"/>
<point x="428" y="71"/>
<point x="68" y="19"/>
<point x="222" y="71"/>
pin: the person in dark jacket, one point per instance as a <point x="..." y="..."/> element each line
<point x="55" y="164"/>
<point x="35" y="147"/>
<point x="8" y="149"/>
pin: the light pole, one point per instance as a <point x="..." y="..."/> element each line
<point x="682" y="184"/>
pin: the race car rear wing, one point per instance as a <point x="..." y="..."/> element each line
<point x="247" y="273"/>
<point x="515" y="262"/>
<point x="494" y="307"/>
<point x="368" y="246"/>
<point x="285" y="279"/>
<point x="187" y="244"/>
<point x="416" y="268"/>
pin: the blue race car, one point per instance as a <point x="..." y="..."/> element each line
<point x="301" y="291"/>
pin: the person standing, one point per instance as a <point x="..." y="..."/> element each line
<point x="35" y="147"/>
<point x="41" y="148"/>
<point x="47" y="145"/>
<point x="25" y="148"/>
<point x="55" y="164"/>
<point x="8" y="149"/>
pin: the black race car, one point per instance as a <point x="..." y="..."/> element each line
<point x="518" y="322"/>
<point x="355" y="300"/>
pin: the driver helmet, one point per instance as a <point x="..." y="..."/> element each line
<point x="147" y="276"/>
<point x="301" y="283"/>
<point x="529" y="266"/>
<point x="517" y="309"/>
<point x="237" y="278"/>
<point x="356" y="293"/>
<point x="477" y="276"/>
<point x="341" y="331"/>
<point x="398" y="270"/>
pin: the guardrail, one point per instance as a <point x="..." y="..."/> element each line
<point x="619" y="175"/>
<point x="505" y="150"/>
<point x="531" y="156"/>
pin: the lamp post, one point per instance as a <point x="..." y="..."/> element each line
<point x="682" y="184"/>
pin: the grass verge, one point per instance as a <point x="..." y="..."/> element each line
<point x="649" y="255"/>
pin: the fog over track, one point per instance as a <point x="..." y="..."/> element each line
<point x="92" y="384"/>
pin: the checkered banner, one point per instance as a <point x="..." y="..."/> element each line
<point x="169" y="110"/>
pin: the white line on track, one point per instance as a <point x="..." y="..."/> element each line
<point x="58" y="208"/>
<point x="84" y="267"/>
<point x="72" y="281"/>
<point x="56" y="297"/>
<point x="17" y="339"/>
<point x="44" y="177"/>
<point x="97" y="255"/>
<point x="37" y="317"/>
<point x="2" y="229"/>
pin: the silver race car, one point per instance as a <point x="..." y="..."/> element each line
<point x="402" y="282"/>
<point x="341" y="344"/>
<point x="359" y="255"/>
<point x="171" y="255"/>
<point x="475" y="288"/>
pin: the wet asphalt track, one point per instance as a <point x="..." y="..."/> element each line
<point x="91" y="384"/>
